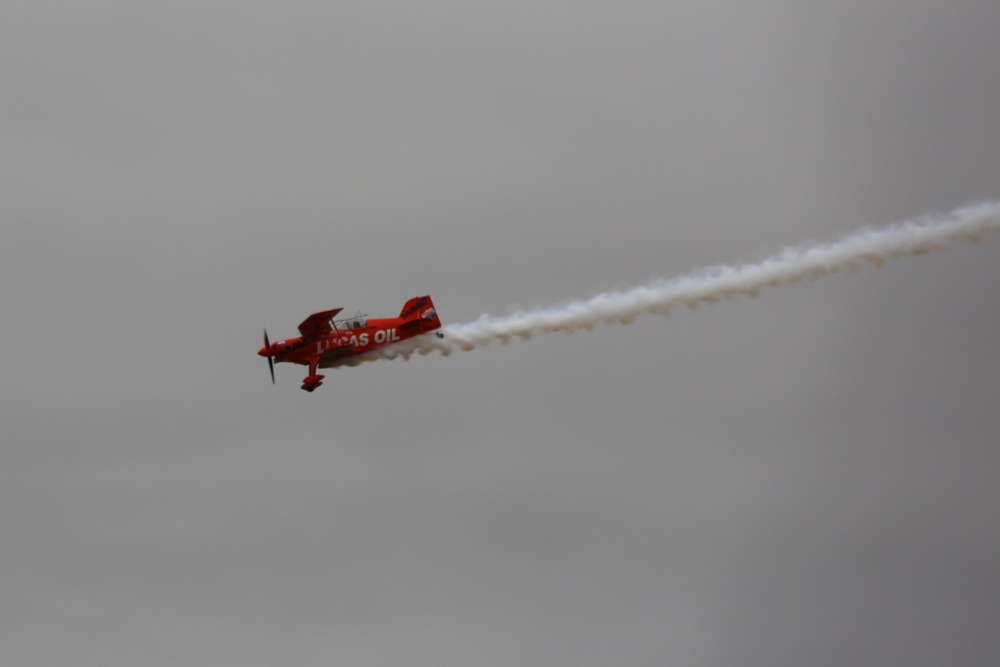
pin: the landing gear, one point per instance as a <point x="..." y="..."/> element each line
<point x="312" y="380"/>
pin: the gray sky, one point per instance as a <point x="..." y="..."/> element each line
<point x="809" y="477"/>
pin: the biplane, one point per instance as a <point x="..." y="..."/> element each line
<point x="327" y="342"/>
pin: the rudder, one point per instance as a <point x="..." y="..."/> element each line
<point x="420" y="309"/>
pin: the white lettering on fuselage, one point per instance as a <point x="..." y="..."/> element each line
<point x="386" y="336"/>
<point x="357" y="340"/>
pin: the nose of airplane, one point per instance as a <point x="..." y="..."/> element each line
<point x="266" y="352"/>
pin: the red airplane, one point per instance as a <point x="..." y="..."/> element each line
<point x="326" y="342"/>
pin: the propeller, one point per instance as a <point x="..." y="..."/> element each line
<point x="270" y="360"/>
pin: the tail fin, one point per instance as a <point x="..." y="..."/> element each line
<point x="420" y="311"/>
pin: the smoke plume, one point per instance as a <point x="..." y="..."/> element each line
<point x="709" y="285"/>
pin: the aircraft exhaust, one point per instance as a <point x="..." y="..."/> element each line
<point x="706" y="286"/>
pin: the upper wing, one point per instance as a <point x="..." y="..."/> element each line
<point x="318" y="323"/>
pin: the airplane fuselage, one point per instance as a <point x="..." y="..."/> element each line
<point x="326" y="342"/>
<point x="349" y="341"/>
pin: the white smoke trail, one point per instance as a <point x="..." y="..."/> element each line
<point x="917" y="237"/>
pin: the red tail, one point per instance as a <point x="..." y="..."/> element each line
<point x="419" y="311"/>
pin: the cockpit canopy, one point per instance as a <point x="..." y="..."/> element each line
<point x="359" y="321"/>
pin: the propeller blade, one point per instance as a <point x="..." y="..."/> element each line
<point x="270" y="359"/>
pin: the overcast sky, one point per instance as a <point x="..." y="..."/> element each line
<point x="811" y="477"/>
